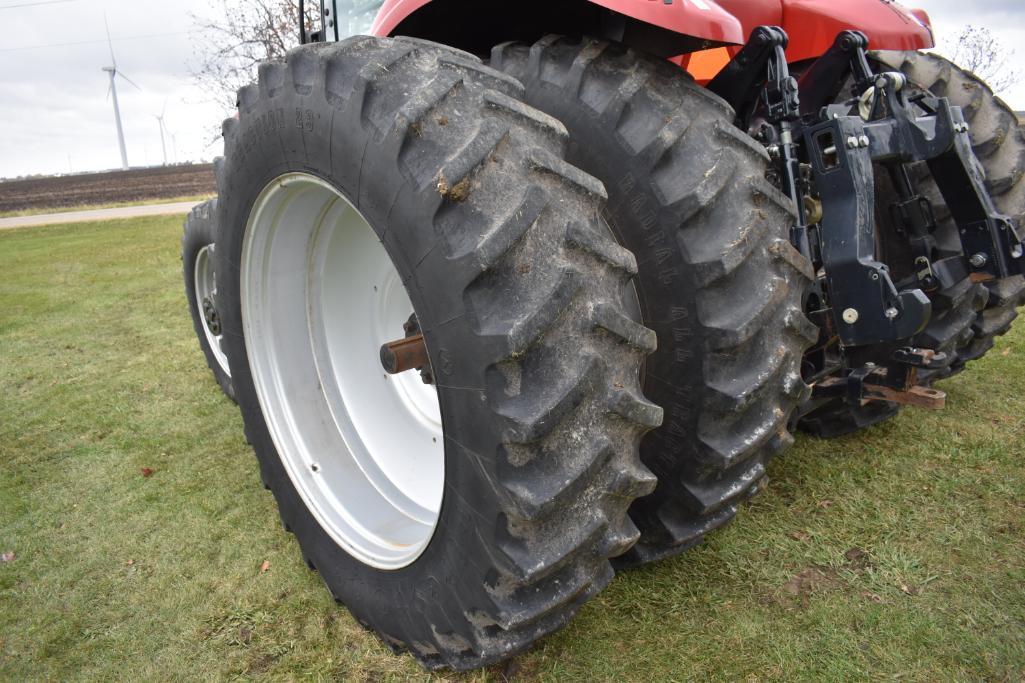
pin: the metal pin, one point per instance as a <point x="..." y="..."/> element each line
<point x="404" y="354"/>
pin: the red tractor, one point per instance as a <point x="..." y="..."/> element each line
<point x="534" y="291"/>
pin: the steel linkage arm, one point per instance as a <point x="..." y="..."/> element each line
<point x="868" y="307"/>
<point x="758" y="79"/>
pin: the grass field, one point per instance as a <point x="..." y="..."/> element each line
<point x="897" y="553"/>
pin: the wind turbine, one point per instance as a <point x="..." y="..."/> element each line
<point x="112" y="92"/>
<point x="160" y="120"/>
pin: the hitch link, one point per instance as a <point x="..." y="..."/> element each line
<point x="869" y="383"/>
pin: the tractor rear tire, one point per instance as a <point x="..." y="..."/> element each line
<point x="417" y="158"/>
<point x="998" y="140"/>
<point x="199" y="271"/>
<point x="719" y="281"/>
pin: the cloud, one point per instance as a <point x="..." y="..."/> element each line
<point x="55" y="115"/>
<point x="54" y="102"/>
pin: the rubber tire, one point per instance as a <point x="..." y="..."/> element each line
<point x="719" y="282"/>
<point x="998" y="140"/>
<point x="518" y="288"/>
<point x="201" y="231"/>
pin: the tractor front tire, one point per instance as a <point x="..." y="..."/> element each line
<point x="199" y="270"/>
<point x="371" y="179"/>
<point x="719" y="281"/>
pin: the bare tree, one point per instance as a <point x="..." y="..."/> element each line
<point x="243" y="33"/>
<point x="240" y="35"/>
<point x="979" y="51"/>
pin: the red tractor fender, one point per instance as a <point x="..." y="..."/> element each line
<point x="811" y="24"/>
<point x="696" y="18"/>
<point x="814" y="24"/>
<point x="392" y="13"/>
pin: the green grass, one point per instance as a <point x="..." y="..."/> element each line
<point x="108" y="205"/>
<point x="897" y="553"/>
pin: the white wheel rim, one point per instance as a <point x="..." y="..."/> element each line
<point x="319" y="295"/>
<point x="206" y="295"/>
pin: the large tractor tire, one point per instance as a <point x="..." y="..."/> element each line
<point x="199" y="270"/>
<point x="719" y="282"/>
<point x="999" y="143"/>
<point x="374" y="186"/>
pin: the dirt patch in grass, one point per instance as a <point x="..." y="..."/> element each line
<point x="821" y="578"/>
<point x="810" y="580"/>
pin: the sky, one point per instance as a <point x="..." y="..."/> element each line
<point x="55" y="117"/>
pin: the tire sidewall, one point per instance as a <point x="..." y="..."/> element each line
<point x="200" y="231"/>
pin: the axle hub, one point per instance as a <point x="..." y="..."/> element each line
<point x="213" y="321"/>
<point x="409" y="353"/>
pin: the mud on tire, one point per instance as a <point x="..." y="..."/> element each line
<point x="518" y="289"/>
<point x="719" y="282"/>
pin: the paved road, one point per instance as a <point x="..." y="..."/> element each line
<point x="97" y="215"/>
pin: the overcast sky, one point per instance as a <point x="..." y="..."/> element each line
<point x="54" y="117"/>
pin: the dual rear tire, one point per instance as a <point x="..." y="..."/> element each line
<point x="199" y="268"/>
<point x="719" y="282"/>
<point x="373" y="182"/>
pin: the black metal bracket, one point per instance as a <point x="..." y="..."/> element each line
<point x="842" y="149"/>
<point x="992" y="241"/>
<point x="315" y="36"/>
<point x="856" y="383"/>
<point x="825" y="156"/>
<point x="867" y="305"/>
